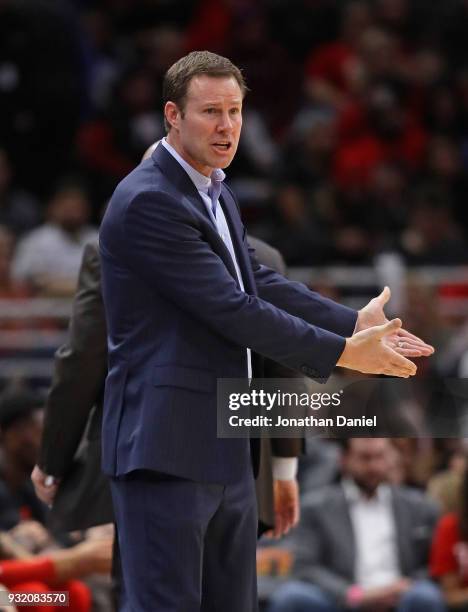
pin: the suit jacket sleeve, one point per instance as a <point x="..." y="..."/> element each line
<point x="162" y="243"/>
<point x="300" y="301"/>
<point x="80" y="369"/>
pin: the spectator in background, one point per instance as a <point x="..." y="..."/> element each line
<point x="305" y="199"/>
<point x="56" y="571"/>
<point x="158" y="48"/>
<point x="444" y="486"/>
<point x="394" y="15"/>
<point x="332" y="67"/>
<point x="103" y="65"/>
<point x="432" y="236"/>
<point x="9" y="288"/>
<point x="41" y="88"/>
<point x="444" y="172"/>
<point x="265" y="64"/>
<point x="449" y="556"/>
<point x="18" y="209"/>
<point x="111" y="144"/>
<point x="363" y="544"/>
<point x="21" y="414"/>
<point x="369" y="221"/>
<point x="379" y="129"/>
<point x="49" y="257"/>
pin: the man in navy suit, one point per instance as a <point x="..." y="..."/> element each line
<point x="186" y="303"/>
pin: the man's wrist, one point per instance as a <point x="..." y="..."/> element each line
<point x="284" y="468"/>
<point x="345" y="359"/>
<point x="357" y="326"/>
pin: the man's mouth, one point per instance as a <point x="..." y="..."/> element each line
<point x="222" y="146"/>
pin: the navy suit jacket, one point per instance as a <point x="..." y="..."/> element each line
<point x="178" y="320"/>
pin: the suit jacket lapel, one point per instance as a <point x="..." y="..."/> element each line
<point x="184" y="185"/>
<point x="179" y="178"/>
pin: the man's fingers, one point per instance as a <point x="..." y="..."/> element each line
<point x="400" y="363"/>
<point x="399" y="371"/>
<point x="285" y="520"/>
<point x="401" y="344"/>
<point x="403" y="340"/>
<point x="407" y="336"/>
<point x="279" y="525"/>
<point x="296" y="515"/>
<point x="409" y="352"/>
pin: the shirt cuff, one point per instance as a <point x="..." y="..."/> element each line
<point x="284" y="468"/>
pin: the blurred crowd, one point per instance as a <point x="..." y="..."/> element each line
<point x="36" y="555"/>
<point x="355" y="128"/>
<point x="383" y="527"/>
<point x="354" y="146"/>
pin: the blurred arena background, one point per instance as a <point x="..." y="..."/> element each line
<point x="353" y="160"/>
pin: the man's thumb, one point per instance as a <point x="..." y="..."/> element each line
<point x="384" y="296"/>
<point x="389" y="328"/>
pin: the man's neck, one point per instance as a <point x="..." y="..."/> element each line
<point x="173" y="141"/>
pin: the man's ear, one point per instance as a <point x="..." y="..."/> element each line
<point x="172" y="114"/>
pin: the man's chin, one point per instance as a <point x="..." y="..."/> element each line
<point x="224" y="163"/>
<point x="368" y="488"/>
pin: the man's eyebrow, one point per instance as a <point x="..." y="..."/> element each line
<point x="218" y="103"/>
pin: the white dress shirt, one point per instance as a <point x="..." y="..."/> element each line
<point x="376" y="563"/>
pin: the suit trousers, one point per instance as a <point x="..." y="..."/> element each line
<point x="186" y="546"/>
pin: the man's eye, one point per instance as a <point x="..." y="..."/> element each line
<point x="235" y="111"/>
<point x="210" y="111"/>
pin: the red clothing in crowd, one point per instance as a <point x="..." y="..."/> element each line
<point x="38" y="576"/>
<point x="449" y="554"/>
<point x="211" y="26"/>
<point x="331" y="63"/>
<point x="361" y="149"/>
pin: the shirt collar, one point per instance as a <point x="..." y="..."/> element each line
<point x="201" y="182"/>
<point x="353" y="493"/>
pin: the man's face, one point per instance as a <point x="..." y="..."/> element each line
<point x="206" y="132"/>
<point x="367" y="462"/>
<point x="70" y="210"/>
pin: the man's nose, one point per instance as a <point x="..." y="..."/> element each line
<point x="225" y="122"/>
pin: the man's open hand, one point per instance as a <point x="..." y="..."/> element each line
<point x="367" y="352"/>
<point x="402" y="341"/>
